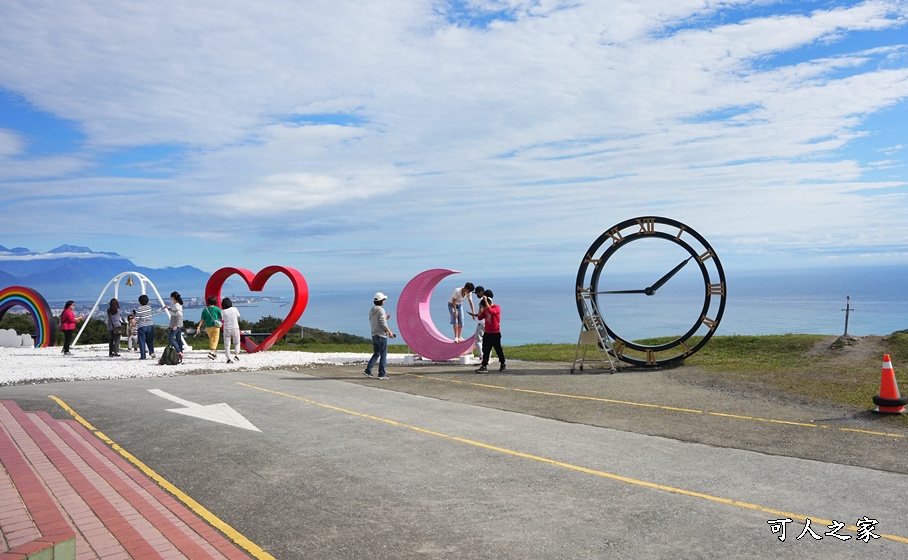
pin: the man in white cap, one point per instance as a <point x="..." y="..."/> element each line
<point x="378" y="320"/>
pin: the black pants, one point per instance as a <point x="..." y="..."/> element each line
<point x="114" y="342"/>
<point x="489" y="341"/>
<point x="67" y="340"/>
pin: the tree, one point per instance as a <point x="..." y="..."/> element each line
<point x="95" y="333"/>
<point x="267" y="324"/>
<point x="22" y="323"/>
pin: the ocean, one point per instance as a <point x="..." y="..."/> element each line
<point x="543" y="309"/>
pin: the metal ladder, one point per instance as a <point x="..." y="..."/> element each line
<point x="593" y="332"/>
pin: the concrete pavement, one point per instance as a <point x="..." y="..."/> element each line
<point x="346" y="467"/>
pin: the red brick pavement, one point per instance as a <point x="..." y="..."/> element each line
<point x="61" y="487"/>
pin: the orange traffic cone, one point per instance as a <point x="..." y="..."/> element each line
<point x="889" y="401"/>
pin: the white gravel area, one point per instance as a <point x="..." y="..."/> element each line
<point x="41" y="365"/>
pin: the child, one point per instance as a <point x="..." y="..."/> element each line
<point x="132" y="333"/>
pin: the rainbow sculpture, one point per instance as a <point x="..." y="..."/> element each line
<point x="36" y="305"/>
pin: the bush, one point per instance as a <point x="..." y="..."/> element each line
<point x="95" y="333"/>
<point x="22" y="323"/>
<point x="267" y="324"/>
<point x="314" y="337"/>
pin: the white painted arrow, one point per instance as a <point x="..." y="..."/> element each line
<point x="215" y="412"/>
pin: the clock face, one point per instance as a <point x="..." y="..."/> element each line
<point x="658" y="286"/>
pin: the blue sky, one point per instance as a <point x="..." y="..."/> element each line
<point x="374" y="140"/>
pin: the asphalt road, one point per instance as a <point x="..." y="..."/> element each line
<point x="441" y="463"/>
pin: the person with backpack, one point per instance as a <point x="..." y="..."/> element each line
<point x="114" y="328"/>
<point x="211" y="318"/>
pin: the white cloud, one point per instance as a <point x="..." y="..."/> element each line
<point x="42" y="167"/>
<point x="10" y="143"/>
<point x="297" y="192"/>
<point x="52" y="256"/>
<point x="538" y="129"/>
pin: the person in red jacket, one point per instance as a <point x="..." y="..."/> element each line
<point x="491" y="314"/>
<point x="68" y="322"/>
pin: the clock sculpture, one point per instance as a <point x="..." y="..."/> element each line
<point x="658" y="287"/>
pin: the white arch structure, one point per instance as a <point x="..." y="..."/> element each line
<point x="143" y="280"/>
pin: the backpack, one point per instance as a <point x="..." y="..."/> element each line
<point x="170" y="356"/>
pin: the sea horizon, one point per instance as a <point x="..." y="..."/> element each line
<point x="542" y="309"/>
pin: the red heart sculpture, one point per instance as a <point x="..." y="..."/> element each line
<point x="256" y="282"/>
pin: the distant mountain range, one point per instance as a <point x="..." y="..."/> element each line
<point x="72" y="272"/>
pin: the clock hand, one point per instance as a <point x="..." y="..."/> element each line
<point x="652" y="289"/>
<point x="622" y="292"/>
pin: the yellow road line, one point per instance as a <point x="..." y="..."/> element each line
<point x="871" y="432"/>
<point x="649" y="405"/>
<point x="200" y="510"/>
<point x="576" y="468"/>
<point x="758" y="419"/>
<point x="601" y="399"/>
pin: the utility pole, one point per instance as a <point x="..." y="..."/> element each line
<point x="848" y="309"/>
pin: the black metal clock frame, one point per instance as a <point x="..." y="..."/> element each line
<point x="621" y="237"/>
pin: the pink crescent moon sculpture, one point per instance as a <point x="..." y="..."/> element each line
<point x="415" y="321"/>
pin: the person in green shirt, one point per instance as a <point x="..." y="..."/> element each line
<point x="211" y="318"/>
